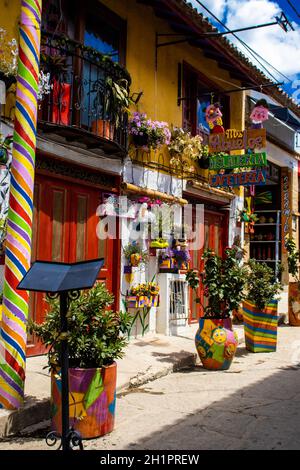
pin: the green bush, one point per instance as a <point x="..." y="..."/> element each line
<point x="261" y="287"/>
<point x="223" y="281"/>
<point x="96" y="335"/>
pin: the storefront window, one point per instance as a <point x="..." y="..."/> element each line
<point x="197" y="96"/>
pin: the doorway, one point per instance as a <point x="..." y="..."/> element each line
<point x="64" y="230"/>
<point x="215" y="238"/>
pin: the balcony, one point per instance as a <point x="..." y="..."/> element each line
<point x="83" y="107"/>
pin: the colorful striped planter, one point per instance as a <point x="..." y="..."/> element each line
<point x="260" y="327"/>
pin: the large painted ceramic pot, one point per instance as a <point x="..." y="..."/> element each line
<point x="216" y="343"/>
<point x="294" y="304"/>
<point x="92" y="398"/>
<point x="260" y="326"/>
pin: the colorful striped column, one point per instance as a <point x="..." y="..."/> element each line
<point x="260" y="327"/>
<point x="18" y="246"/>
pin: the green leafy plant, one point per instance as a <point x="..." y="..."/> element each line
<point x="223" y="280"/>
<point x="261" y="287"/>
<point x="293" y="258"/>
<point x="135" y="249"/>
<point x="96" y="335"/>
<point x="117" y="100"/>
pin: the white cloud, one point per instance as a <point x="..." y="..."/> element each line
<point x="217" y="7"/>
<point x="280" y="49"/>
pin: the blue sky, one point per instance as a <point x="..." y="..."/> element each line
<point x="281" y="50"/>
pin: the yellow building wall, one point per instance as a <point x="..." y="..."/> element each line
<point x="159" y="86"/>
<point x="9" y="17"/>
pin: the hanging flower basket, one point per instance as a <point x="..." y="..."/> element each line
<point x="140" y="140"/>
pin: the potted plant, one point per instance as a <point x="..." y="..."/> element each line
<point x="182" y="257"/>
<point x="116" y="102"/>
<point x="96" y="338"/>
<point x="223" y="280"/>
<point x="184" y="149"/>
<point x="147" y="133"/>
<point x="294" y="287"/>
<point x="260" y="308"/>
<point x="135" y="254"/>
<point x="143" y="295"/>
<point x="167" y="262"/>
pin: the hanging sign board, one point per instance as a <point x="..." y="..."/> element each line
<point x="233" y="139"/>
<point x="286" y="207"/>
<point x="249" y="160"/>
<point x="245" y="178"/>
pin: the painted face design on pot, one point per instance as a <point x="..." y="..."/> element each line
<point x="219" y="336"/>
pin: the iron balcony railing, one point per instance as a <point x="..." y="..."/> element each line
<point x="81" y="89"/>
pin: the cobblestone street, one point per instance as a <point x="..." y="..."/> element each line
<point x="254" y="405"/>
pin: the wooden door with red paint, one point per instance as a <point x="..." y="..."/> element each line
<point x="64" y="230"/>
<point x="215" y="238"/>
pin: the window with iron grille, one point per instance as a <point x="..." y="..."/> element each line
<point x="178" y="300"/>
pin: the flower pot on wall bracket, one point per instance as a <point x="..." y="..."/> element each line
<point x="135" y="259"/>
<point x="140" y="140"/>
<point x="260" y="327"/>
<point x="159" y="243"/>
<point x="168" y="266"/>
<point x="216" y="343"/>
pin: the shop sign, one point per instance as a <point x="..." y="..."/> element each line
<point x="249" y="160"/>
<point x="245" y="178"/>
<point x="233" y="139"/>
<point x="286" y="207"/>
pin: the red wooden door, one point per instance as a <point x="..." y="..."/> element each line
<point x="215" y="238"/>
<point x="64" y="229"/>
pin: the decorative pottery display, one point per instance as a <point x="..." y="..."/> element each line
<point x="260" y="327"/>
<point x="294" y="304"/>
<point x="216" y="343"/>
<point x="92" y="398"/>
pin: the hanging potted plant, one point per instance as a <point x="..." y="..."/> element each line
<point x="167" y="262"/>
<point x="96" y="338"/>
<point x="260" y="308"/>
<point x="134" y="255"/>
<point x="185" y="149"/>
<point x="223" y="280"/>
<point x="294" y="287"/>
<point x="147" y="133"/>
<point x="182" y="257"/>
<point x="9" y="52"/>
